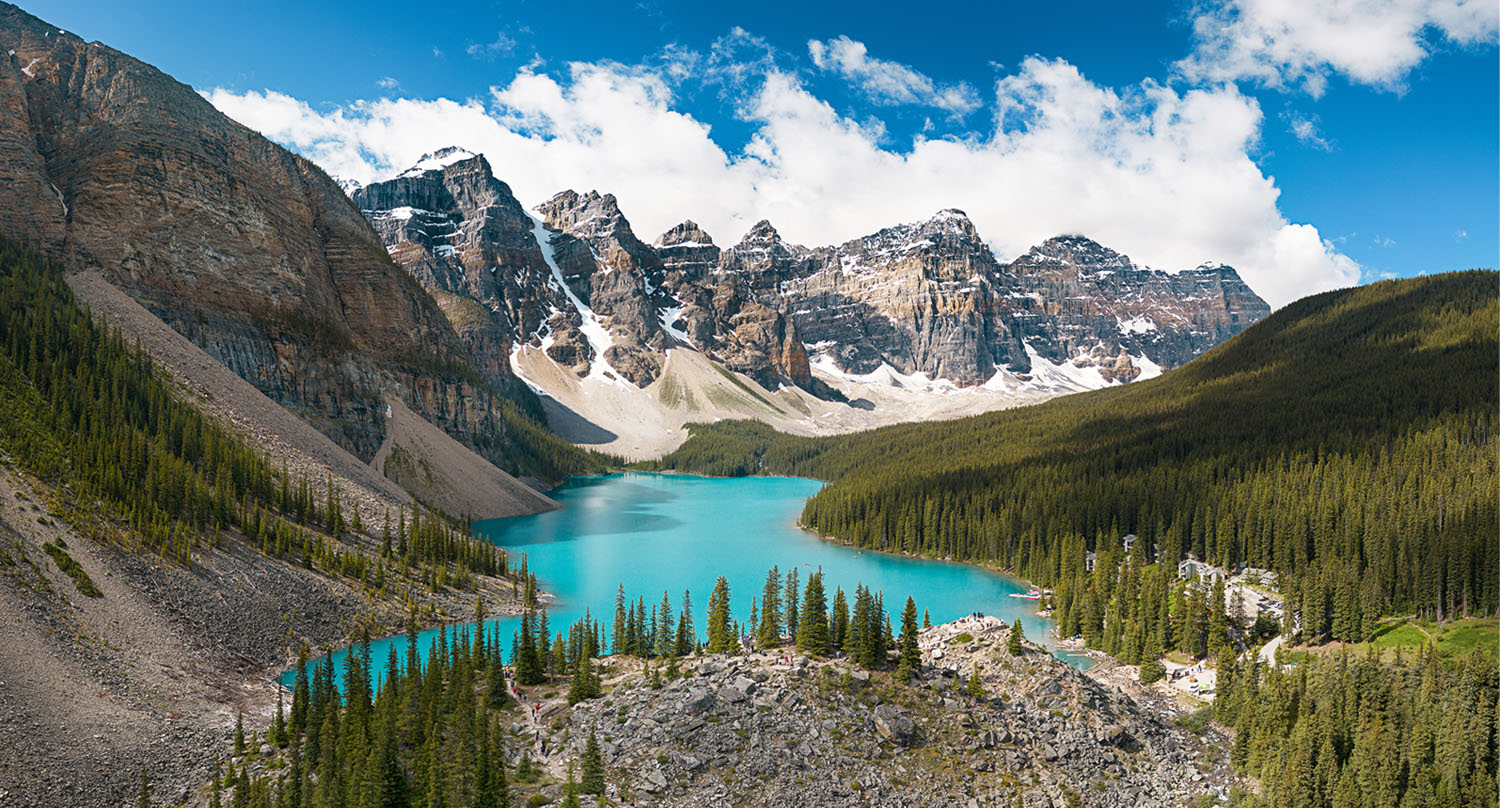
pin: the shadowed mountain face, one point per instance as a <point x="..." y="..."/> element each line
<point x="926" y="298"/>
<point x="249" y="250"/>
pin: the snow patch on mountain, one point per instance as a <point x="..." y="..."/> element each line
<point x="669" y="318"/>
<point x="1139" y="324"/>
<point x="593" y="328"/>
<point x="438" y="160"/>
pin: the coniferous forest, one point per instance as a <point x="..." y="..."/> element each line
<point x="1347" y="443"/>
<point x="91" y="416"/>
<point x="437" y="729"/>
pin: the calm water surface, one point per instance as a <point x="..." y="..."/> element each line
<point x="669" y="532"/>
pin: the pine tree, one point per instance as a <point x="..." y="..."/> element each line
<point x="911" y="653"/>
<point x="665" y="644"/>
<point x="583" y="685"/>
<point x="143" y="800"/>
<point x="768" y="631"/>
<point x="570" y="790"/>
<point x="1017" y="634"/>
<point x="278" y="728"/>
<point x="838" y="623"/>
<point x="592" y="778"/>
<point x="495" y="695"/>
<point x="687" y="639"/>
<point x="812" y="623"/>
<point x="926" y="619"/>
<point x="1218" y="619"/>
<point x="239" y="733"/>
<point x="857" y="643"/>
<point x="720" y="632"/>
<point x="618" y="637"/>
<point x="789" y="603"/>
<point x="974" y="687"/>
<point x="1151" y="667"/>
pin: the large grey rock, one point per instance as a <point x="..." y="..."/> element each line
<point x="893" y="725"/>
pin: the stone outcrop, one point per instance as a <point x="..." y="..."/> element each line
<point x="250" y="251"/>
<point x="776" y="728"/>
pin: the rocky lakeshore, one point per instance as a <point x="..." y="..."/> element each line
<point x="778" y="728"/>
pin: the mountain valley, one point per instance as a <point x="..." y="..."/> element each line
<point x="318" y="493"/>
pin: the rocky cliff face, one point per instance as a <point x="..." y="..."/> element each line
<point x="574" y="280"/>
<point x="927" y="298"/>
<point x="252" y="252"/>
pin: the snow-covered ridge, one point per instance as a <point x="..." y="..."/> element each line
<point x="438" y="160"/>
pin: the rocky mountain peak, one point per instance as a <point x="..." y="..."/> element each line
<point x="927" y="297"/>
<point x="951" y="220"/>
<point x="1078" y="253"/>
<point x="686" y="234"/>
<point x="761" y="232"/>
<point x="587" y="216"/>
<point x="444" y="158"/>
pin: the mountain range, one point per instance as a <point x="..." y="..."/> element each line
<point x="439" y="291"/>
<point x="576" y="303"/>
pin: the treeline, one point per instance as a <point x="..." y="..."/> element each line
<point x="1416" y="732"/>
<point x="1347" y="442"/>
<point x="87" y="412"/>
<point x="1137" y="613"/>
<point x="787" y="613"/>
<point x="522" y="444"/>
<point x="432" y="731"/>
<point x="426" y="736"/>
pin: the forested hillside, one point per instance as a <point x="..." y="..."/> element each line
<point x="90" y="416"/>
<point x="1348" y="443"/>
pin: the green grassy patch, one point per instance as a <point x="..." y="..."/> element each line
<point x="65" y="562"/>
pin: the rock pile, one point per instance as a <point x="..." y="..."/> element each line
<point x="761" y="729"/>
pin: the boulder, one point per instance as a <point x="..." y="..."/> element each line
<point x="894" y="725"/>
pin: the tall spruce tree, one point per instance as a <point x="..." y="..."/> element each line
<point x="838" y="622"/>
<point x="812" y="623"/>
<point x="721" y="638"/>
<point x="768" y="632"/>
<point x="911" y="654"/>
<point x="591" y="781"/>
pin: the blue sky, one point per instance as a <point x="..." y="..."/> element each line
<point x="1306" y="149"/>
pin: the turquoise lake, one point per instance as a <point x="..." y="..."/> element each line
<point x="670" y="532"/>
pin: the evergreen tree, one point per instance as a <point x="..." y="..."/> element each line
<point x="592" y="778"/>
<point x="812" y="623"/>
<point x="278" y="727"/>
<point x="143" y="799"/>
<point x="768" y="631"/>
<point x="838" y="623"/>
<point x="570" y="790"/>
<point x="665" y="638"/>
<point x="619" y="636"/>
<point x="911" y="653"/>
<point x="789" y="603"/>
<point x="974" y="687"/>
<point x="720" y="637"/>
<point x="1017" y="634"/>
<point x="1151" y="667"/>
<point x="687" y="639"/>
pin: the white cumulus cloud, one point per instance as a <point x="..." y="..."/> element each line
<point x="1290" y="43"/>
<point x="1160" y="173"/>
<point x="887" y="82"/>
